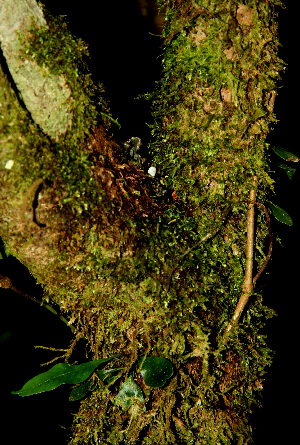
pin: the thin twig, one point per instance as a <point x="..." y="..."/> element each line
<point x="8" y="285"/>
<point x="55" y="358"/>
<point x="248" y="287"/>
<point x="270" y="244"/>
<point x="50" y="348"/>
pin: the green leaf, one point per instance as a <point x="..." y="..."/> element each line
<point x="155" y="371"/>
<point x="289" y="170"/>
<point x="286" y="155"/>
<point x="104" y="373"/>
<point x="128" y="394"/>
<point x="59" y="374"/>
<point x="280" y="214"/>
<point x="80" y="391"/>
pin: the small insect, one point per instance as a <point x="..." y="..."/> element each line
<point x="160" y="190"/>
<point x="132" y="146"/>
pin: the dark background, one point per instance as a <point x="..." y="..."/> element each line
<point x="124" y="56"/>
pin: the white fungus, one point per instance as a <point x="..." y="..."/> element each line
<point x="152" y="171"/>
<point x="9" y="164"/>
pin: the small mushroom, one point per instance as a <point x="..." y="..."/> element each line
<point x="152" y="171"/>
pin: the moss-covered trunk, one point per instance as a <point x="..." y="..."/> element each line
<point x="141" y="267"/>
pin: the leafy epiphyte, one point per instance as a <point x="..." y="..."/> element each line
<point x="129" y="393"/>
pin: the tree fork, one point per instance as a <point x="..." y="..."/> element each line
<point x="106" y="244"/>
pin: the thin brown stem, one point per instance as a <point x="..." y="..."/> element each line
<point x="270" y="244"/>
<point x="247" y="286"/>
<point x="6" y="283"/>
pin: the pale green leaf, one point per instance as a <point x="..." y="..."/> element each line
<point x="284" y="154"/>
<point x="280" y="214"/>
<point x="78" y="392"/>
<point x="129" y="393"/>
<point x="103" y="374"/>
<point x="289" y="170"/>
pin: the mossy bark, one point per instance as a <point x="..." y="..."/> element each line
<point x="117" y="260"/>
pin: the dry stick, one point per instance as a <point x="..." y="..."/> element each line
<point x="247" y="286"/>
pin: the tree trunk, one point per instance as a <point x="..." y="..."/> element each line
<point x="141" y="265"/>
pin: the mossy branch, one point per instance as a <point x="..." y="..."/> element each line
<point x="103" y="244"/>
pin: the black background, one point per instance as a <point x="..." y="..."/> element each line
<point x="124" y="56"/>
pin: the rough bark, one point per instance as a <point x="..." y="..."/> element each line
<point x="46" y="96"/>
<point x="134" y="273"/>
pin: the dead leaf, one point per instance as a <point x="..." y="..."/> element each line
<point x="244" y="15"/>
<point x="226" y="94"/>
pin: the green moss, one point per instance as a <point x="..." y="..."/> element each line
<point x="126" y="282"/>
<point x="198" y="128"/>
<point x="62" y="54"/>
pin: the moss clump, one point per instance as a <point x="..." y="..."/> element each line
<point x="55" y="49"/>
<point x="214" y="104"/>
